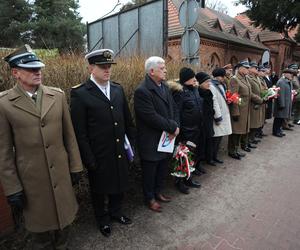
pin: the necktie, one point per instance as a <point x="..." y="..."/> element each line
<point x="34" y="97"/>
<point x="105" y="90"/>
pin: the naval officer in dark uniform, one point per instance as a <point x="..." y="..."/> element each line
<point x="101" y="119"/>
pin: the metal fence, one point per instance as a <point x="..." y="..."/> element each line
<point x="138" y="31"/>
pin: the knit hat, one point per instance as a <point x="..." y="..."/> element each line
<point x="185" y="74"/>
<point x="202" y="77"/>
<point x="219" y="72"/>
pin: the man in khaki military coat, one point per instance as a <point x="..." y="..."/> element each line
<point x="262" y="75"/>
<point x="240" y="113"/>
<point x="38" y="151"/>
<point x="256" y="107"/>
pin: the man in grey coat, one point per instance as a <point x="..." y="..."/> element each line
<point x="283" y="104"/>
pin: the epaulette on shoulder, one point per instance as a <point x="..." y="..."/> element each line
<point x="57" y="89"/>
<point x="3" y="93"/>
<point x="77" y="86"/>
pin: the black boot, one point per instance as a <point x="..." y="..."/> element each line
<point x="179" y="183"/>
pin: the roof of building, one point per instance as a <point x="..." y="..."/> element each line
<point x="214" y="25"/>
<point x="265" y="35"/>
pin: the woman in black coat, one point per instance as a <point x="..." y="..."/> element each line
<point x="189" y="104"/>
<point x="206" y="150"/>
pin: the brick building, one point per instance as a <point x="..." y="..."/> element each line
<point x="228" y="40"/>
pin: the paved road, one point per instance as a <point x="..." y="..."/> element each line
<point x="248" y="204"/>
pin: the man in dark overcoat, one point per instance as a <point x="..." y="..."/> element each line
<point x="101" y="120"/>
<point x="155" y="112"/>
<point x="39" y="156"/>
<point x="283" y="103"/>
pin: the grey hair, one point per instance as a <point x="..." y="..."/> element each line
<point x="153" y="62"/>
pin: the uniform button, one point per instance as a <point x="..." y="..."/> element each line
<point x="51" y="166"/>
<point x="111" y="107"/>
<point x="47" y="146"/>
<point x="119" y="156"/>
<point x="116" y="124"/>
<point x="117" y="140"/>
<point x="54" y="186"/>
<point x="43" y="124"/>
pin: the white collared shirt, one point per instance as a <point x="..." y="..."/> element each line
<point x="104" y="88"/>
<point x="31" y="94"/>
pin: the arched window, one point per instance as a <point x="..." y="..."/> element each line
<point x="214" y="61"/>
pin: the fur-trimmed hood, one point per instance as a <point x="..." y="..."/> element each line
<point x="174" y="85"/>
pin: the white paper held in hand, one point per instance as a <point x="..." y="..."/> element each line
<point x="165" y="143"/>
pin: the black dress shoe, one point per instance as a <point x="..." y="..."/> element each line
<point x="235" y="156"/>
<point x="218" y="161"/>
<point x="287" y="128"/>
<point x="122" y="219"/>
<point x="282" y="134"/>
<point x="241" y="154"/>
<point x="246" y="149"/>
<point x="277" y="135"/>
<point x="105" y="230"/>
<point x="191" y="183"/>
<point x="291" y="125"/>
<point x="251" y="146"/>
<point x="211" y="163"/>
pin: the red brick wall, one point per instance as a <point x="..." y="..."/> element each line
<point x="6" y="221"/>
<point x="222" y="52"/>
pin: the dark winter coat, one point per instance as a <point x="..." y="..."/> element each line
<point x="208" y="112"/>
<point x="283" y="103"/>
<point x="190" y="106"/>
<point x="155" y="112"/>
<point x="100" y="126"/>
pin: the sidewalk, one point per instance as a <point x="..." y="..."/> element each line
<point x="249" y="204"/>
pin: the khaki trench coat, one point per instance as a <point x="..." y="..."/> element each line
<point x="38" y="150"/>
<point x="264" y="87"/>
<point x="240" y="85"/>
<point x="256" y="108"/>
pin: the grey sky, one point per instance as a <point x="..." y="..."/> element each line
<point x="91" y="10"/>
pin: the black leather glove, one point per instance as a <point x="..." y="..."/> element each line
<point x="75" y="177"/>
<point x="17" y="200"/>
<point x="235" y="118"/>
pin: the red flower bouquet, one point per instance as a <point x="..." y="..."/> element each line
<point x="233" y="98"/>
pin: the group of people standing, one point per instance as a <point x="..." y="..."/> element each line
<point x="43" y="145"/>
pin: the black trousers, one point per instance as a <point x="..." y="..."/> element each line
<point x="216" y="141"/>
<point x="277" y="125"/>
<point x="102" y="213"/>
<point x="154" y="174"/>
